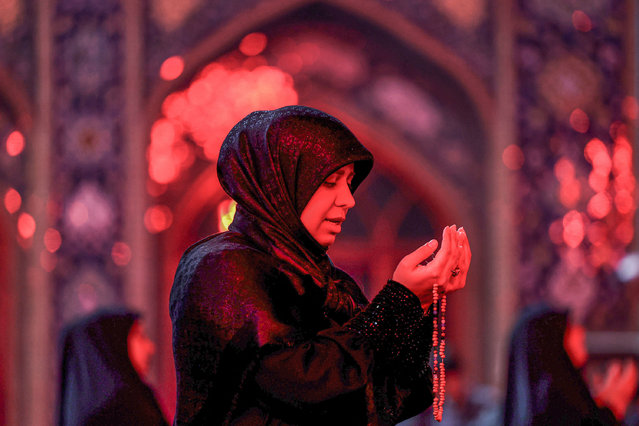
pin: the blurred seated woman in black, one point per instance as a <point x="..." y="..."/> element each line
<point x="104" y="358"/>
<point x="266" y="330"/>
<point x="545" y="386"/>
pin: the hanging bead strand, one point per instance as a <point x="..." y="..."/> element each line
<point x="439" y="347"/>
<point x="435" y="352"/>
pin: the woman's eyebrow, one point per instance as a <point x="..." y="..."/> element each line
<point x="341" y="172"/>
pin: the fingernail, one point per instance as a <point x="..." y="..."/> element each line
<point x="431" y="243"/>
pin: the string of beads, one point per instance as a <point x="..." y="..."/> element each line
<point x="439" y="346"/>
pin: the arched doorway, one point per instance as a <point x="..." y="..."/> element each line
<point x="426" y="129"/>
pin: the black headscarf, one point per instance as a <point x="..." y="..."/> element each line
<point x="271" y="163"/>
<point x="98" y="383"/>
<point x="544" y="388"/>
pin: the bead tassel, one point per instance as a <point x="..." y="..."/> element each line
<point x="439" y="346"/>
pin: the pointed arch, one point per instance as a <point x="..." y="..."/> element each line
<point x="450" y="204"/>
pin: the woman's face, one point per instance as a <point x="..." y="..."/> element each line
<point x="326" y="210"/>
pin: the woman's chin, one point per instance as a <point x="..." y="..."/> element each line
<point x="327" y="241"/>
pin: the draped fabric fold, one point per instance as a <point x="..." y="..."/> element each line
<point x="259" y="312"/>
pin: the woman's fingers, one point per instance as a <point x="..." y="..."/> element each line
<point x="413" y="259"/>
<point x="452" y="258"/>
<point x="458" y="281"/>
<point x="442" y="258"/>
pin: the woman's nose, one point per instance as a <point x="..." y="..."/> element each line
<point x="345" y="197"/>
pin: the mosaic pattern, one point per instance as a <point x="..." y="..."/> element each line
<point x="87" y="145"/>
<point x="17" y="42"/>
<point x="467" y="29"/>
<point x="393" y="85"/>
<point x="566" y="100"/>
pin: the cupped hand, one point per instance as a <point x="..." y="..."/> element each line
<point x="421" y="277"/>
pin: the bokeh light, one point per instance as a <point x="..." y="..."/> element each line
<point x="253" y="44"/>
<point x="513" y="157"/>
<point x="52" y="240"/>
<point x="581" y="21"/>
<point x="26" y="225"/>
<point x="579" y="120"/>
<point x="15" y="143"/>
<point x="606" y="226"/>
<point x="48" y="260"/>
<point x="158" y="218"/>
<point x="12" y="200"/>
<point x="630" y="107"/>
<point x="196" y="120"/>
<point x="573" y="228"/>
<point x="599" y="205"/>
<point x="121" y="253"/>
<point x="172" y="68"/>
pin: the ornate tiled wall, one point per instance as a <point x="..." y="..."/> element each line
<point x="88" y="176"/>
<point x="572" y="88"/>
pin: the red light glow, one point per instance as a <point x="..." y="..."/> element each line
<point x="573" y="229"/>
<point x="630" y="107"/>
<point x="624" y="202"/>
<point x="48" y="261"/>
<point x="26" y="225"/>
<point x="15" y="143"/>
<point x="121" y="253"/>
<point x="598" y="181"/>
<point x="581" y="21"/>
<point x="579" y="121"/>
<point x="625" y="232"/>
<point x="158" y="218"/>
<point x="564" y="170"/>
<point x="12" y="200"/>
<point x="593" y="147"/>
<point x="599" y="205"/>
<point x="597" y="232"/>
<point x="556" y="232"/>
<point x="513" y="157"/>
<point x="570" y="193"/>
<point x="52" y="240"/>
<point x="253" y="44"/>
<point x="205" y="112"/>
<point x="172" y="68"/>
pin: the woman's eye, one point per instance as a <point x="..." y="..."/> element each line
<point x="329" y="184"/>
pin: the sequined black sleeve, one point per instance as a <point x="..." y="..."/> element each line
<point x="240" y="348"/>
<point x="383" y="351"/>
<point x="395" y="327"/>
